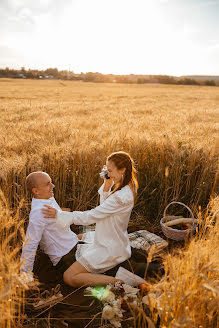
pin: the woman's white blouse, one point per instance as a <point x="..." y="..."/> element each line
<point x="109" y="243"/>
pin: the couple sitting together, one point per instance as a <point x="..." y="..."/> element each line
<point x="82" y="259"/>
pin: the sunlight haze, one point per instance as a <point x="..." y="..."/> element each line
<point x="117" y="36"/>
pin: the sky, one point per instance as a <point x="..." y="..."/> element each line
<point x="169" y="37"/>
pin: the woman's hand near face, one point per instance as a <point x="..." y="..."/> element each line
<point x="49" y="212"/>
<point x="107" y="184"/>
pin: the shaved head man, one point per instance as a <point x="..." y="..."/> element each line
<point x="40" y="231"/>
<point x="40" y="184"/>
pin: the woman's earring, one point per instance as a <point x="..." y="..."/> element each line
<point x="122" y="177"/>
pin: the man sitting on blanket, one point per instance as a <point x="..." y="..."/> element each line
<point x="59" y="246"/>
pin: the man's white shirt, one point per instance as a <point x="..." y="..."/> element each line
<point x="45" y="233"/>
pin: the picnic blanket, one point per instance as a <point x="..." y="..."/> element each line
<point x="144" y="240"/>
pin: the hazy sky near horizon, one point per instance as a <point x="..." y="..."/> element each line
<point x="173" y="37"/>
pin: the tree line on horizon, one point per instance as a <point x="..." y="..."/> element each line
<point x="54" y="73"/>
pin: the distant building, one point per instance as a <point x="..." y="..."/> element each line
<point x="22" y="76"/>
<point x="48" y="77"/>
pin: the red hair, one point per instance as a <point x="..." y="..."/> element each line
<point x="122" y="160"/>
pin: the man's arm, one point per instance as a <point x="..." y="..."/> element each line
<point x="34" y="233"/>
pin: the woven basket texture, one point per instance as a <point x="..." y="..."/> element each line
<point x="172" y="233"/>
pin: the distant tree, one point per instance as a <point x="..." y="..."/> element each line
<point x="166" y="79"/>
<point x="187" y="81"/>
<point x="30" y="74"/>
<point x="89" y="77"/>
<point x="3" y="73"/>
<point x="142" y="80"/>
<point x="98" y="77"/>
<point x="210" y="83"/>
<point x="94" y="77"/>
<point x="23" y="70"/>
<point x="52" y="72"/>
<point x="123" y="79"/>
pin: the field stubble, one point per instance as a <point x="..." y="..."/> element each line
<point x="68" y="128"/>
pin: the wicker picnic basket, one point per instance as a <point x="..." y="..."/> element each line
<point x="176" y="234"/>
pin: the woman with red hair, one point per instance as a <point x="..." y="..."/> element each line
<point x="110" y="243"/>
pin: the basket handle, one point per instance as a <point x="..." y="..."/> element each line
<point x="164" y="213"/>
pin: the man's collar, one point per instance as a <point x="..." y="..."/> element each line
<point x="38" y="200"/>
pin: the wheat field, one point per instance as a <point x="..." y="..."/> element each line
<point x="68" y="128"/>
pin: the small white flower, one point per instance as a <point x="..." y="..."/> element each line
<point x="117" y="308"/>
<point x="109" y="286"/>
<point x="145" y="300"/>
<point x="130" y="291"/>
<point x="109" y="297"/>
<point x="108" y="312"/>
<point x="116" y="322"/>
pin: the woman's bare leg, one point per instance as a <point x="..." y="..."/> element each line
<point x="76" y="276"/>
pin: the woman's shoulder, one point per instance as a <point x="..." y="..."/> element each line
<point x="124" y="196"/>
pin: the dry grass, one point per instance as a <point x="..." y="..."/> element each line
<point x="76" y="115"/>
<point x="68" y="129"/>
<point x="11" y="286"/>
<point x="188" y="294"/>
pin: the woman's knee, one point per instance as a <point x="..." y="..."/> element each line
<point x="70" y="276"/>
<point x="67" y="278"/>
